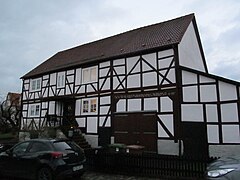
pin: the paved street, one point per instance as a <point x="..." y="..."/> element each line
<point x="90" y="175"/>
<point x="104" y="176"/>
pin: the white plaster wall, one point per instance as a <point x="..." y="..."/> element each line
<point x="227" y="91"/>
<point x="92" y="140"/>
<point x="204" y="79"/>
<point x="104" y="109"/>
<point x="165" y="63"/>
<point x="168" y="147"/>
<point x="189" y="51"/>
<point x="106" y="85"/>
<point x="150" y="79"/>
<point x="131" y="63"/>
<point x="151" y="59"/>
<point x="103" y="72"/>
<point x="121" y="105"/>
<point x="166" y="104"/>
<point x="105" y="100"/>
<point x="117" y="81"/>
<point x="120" y="70"/>
<point x="168" y="122"/>
<point x="102" y="120"/>
<point x="165" y="53"/>
<point x="231" y="134"/>
<point x="188" y="78"/>
<point x="150" y="104"/>
<point x="70" y="79"/>
<point x="51" y="109"/>
<point x="229" y="112"/>
<point x="190" y="94"/>
<point x="192" y="112"/>
<point x="211" y="112"/>
<point x="92" y="124"/>
<point x="134" y="105"/>
<point x="213" y="133"/>
<point x="171" y="76"/>
<point x="81" y="122"/>
<point x="53" y="79"/>
<point x="78" y="107"/>
<point x="208" y="93"/>
<point x="161" y="132"/>
<point x="78" y="76"/>
<point x="119" y="62"/>
<point x="223" y="150"/>
<point x="104" y="64"/>
<point x="133" y="81"/>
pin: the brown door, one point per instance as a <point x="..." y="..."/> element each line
<point x="136" y="128"/>
<point x="69" y="113"/>
<point x="195" y="139"/>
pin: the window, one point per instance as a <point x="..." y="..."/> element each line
<point x="38" y="147"/>
<point x="20" y="149"/>
<point x="35" y="84"/>
<point x="89" y="75"/>
<point x="89" y="105"/>
<point x="34" y="110"/>
<point x="85" y="106"/>
<point x="61" y="79"/>
<point x="93" y="103"/>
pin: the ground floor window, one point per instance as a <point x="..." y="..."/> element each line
<point x="34" y="110"/>
<point x="89" y="105"/>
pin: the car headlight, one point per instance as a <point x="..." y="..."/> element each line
<point x="219" y="172"/>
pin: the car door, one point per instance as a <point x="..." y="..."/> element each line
<point x="34" y="156"/>
<point x="13" y="165"/>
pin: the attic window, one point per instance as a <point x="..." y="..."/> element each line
<point x="89" y="75"/>
<point x="35" y="84"/>
<point x="61" y="79"/>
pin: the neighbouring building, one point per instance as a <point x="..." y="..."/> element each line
<point x="148" y="86"/>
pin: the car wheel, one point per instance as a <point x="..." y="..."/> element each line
<point x="44" y="173"/>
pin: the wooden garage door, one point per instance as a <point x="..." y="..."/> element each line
<point x="136" y="128"/>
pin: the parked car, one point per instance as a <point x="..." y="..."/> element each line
<point x="227" y="168"/>
<point x="43" y="159"/>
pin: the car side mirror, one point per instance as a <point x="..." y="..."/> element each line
<point x="9" y="152"/>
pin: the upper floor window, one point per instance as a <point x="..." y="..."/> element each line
<point x="89" y="75"/>
<point x="61" y="79"/>
<point x="35" y="84"/>
<point x="89" y="105"/>
<point x="34" y="110"/>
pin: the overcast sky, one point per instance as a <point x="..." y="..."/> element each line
<point x="32" y="31"/>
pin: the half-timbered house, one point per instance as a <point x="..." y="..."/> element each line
<point x="149" y="86"/>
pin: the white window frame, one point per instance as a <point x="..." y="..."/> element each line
<point x="61" y="79"/>
<point x="91" y="77"/>
<point x="35" y="84"/>
<point x="88" y="109"/>
<point x="34" y="110"/>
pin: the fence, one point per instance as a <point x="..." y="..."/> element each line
<point x="145" y="164"/>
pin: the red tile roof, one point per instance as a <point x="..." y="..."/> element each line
<point x="149" y="37"/>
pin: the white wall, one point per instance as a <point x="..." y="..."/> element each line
<point x="189" y="51"/>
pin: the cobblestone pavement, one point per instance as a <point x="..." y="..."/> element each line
<point x="103" y="176"/>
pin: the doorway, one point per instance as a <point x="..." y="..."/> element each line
<point x="69" y="113"/>
<point x="138" y="128"/>
<point x="195" y="139"/>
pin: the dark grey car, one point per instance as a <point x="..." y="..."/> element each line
<point x="226" y="168"/>
<point x="43" y="159"/>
